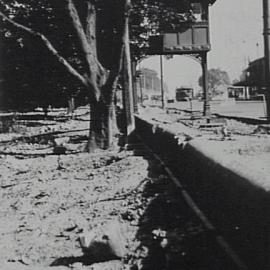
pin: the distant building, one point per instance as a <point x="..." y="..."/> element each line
<point x="149" y="84"/>
<point x="238" y="92"/>
<point x="252" y="79"/>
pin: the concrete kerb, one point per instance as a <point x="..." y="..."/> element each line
<point x="248" y="120"/>
<point x="238" y="206"/>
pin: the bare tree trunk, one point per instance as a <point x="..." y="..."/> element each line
<point x="100" y="83"/>
<point x="71" y="105"/>
<point x="102" y="126"/>
<point x="103" y="117"/>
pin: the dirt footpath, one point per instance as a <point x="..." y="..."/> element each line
<point x="51" y="205"/>
<point x="49" y="201"/>
<point x="44" y="210"/>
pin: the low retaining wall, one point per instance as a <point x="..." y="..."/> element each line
<point x="239" y="208"/>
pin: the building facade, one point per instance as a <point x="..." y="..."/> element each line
<point x="148" y="84"/>
<point x="252" y="79"/>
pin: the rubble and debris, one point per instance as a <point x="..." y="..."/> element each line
<point x="104" y="243"/>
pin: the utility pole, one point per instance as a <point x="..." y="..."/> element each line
<point x="266" y="33"/>
<point x="141" y="87"/>
<point x="134" y="86"/>
<point x="161" y="83"/>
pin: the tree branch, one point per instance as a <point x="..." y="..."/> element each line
<point x="73" y="13"/>
<point x="97" y="74"/>
<point x="123" y="40"/>
<point x="48" y="45"/>
<point x="90" y="25"/>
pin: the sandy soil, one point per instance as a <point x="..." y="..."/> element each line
<point x="48" y="202"/>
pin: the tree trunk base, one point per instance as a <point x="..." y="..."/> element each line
<point x="102" y="126"/>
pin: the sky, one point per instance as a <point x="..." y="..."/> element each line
<point x="236" y="28"/>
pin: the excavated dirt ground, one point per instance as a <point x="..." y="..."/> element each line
<point x="48" y="201"/>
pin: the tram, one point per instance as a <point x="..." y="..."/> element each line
<point x="184" y="93"/>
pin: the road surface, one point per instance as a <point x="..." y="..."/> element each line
<point x="250" y="109"/>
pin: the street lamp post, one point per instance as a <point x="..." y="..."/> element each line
<point x="141" y="87"/>
<point x="135" y="90"/>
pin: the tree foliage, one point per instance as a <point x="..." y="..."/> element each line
<point x="51" y="18"/>
<point x="83" y="40"/>
<point x="32" y="78"/>
<point x="29" y="69"/>
<point x="70" y="30"/>
<point x="152" y="17"/>
<point x="216" y="77"/>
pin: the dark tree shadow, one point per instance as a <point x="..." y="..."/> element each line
<point x="44" y="137"/>
<point x="66" y="261"/>
<point x="33" y="155"/>
<point x="42" y="116"/>
<point x="186" y="245"/>
<point x="98" y="252"/>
